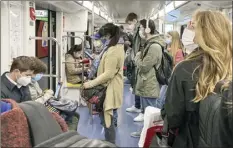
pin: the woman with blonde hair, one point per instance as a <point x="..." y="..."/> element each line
<point x="195" y="78"/>
<point x="175" y="46"/>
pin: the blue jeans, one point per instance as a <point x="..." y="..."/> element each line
<point x="155" y="102"/>
<point x="137" y="102"/>
<point x="115" y="116"/>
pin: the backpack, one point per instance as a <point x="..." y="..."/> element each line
<point x="209" y="111"/>
<point x="164" y="71"/>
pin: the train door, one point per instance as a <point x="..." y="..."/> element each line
<point x="42" y="48"/>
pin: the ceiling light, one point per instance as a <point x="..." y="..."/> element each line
<point x="80" y="2"/>
<point x="161" y="13"/>
<point x="179" y="3"/>
<point x="96" y="10"/>
<point x="87" y="4"/>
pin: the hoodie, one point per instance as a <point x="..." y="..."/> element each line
<point x="146" y="82"/>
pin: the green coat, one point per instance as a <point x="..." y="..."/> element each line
<point x="146" y="81"/>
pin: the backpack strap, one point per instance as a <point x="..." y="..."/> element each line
<point x="147" y="49"/>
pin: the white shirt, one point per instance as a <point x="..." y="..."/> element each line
<point x="12" y="81"/>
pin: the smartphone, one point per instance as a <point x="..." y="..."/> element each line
<point x="89" y="55"/>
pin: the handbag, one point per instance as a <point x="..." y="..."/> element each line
<point x="165" y="138"/>
<point x="96" y="95"/>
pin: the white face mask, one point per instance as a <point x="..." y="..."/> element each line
<point x="187" y="40"/>
<point x="141" y="34"/>
<point x="24" y="80"/>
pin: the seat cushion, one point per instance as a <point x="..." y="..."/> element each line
<point x="70" y="85"/>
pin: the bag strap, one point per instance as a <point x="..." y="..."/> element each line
<point x="114" y="76"/>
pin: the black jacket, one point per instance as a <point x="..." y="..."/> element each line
<point x="226" y="119"/>
<point x="11" y="91"/>
<point x="181" y="112"/>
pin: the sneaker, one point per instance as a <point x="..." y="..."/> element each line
<point x="135" y="134"/>
<point x="139" y="118"/>
<point x="133" y="109"/>
<point x="131" y="89"/>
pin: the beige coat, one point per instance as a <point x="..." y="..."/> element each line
<point x="73" y="71"/>
<point x="111" y="62"/>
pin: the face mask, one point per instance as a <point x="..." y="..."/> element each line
<point x="77" y="54"/>
<point x="141" y="34"/>
<point x="187" y="40"/>
<point x="188" y="37"/>
<point x="37" y="77"/>
<point x="168" y="41"/>
<point x="131" y="27"/>
<point x="24" y="81"/>
<point x="98" y="43"/>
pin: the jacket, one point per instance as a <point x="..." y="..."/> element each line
<point x="136" y="39"/>
<point x="10" y="90"/>
<point x="111" y="63"/>
<point x="181" y="112"/>
<point x="146" y="82"/>
<point x="73" y="71"/>
<point x="226" y="119"/>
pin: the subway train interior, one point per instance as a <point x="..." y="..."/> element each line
<point x="49" y="30"/>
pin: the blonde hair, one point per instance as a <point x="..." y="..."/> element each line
<point x="176" y="43"/>
<point x="213" y="34"/>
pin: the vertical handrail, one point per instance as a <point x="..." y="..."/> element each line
<point x="59" y="57"/>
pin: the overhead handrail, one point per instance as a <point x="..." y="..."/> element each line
<point x="58" y="76"/>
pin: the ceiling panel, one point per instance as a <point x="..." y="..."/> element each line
<point x="120" y="9"/>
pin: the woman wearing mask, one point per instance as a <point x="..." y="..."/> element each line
<point x="175" y="46"/>
<point x="110" y="73"/>
<point x="74" y="71"/>
<point x="196" y="77"/>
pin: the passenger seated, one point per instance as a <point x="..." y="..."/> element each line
<point x="14" y="84"/>
<point x="36" y="92"/>
<point x="42" y="97"/>
<point x="74" y="71"/>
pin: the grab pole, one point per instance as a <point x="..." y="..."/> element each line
<point x="50" y="56"/>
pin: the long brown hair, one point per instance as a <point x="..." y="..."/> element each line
<point x="176" y="43"/>
<point x="213" y="34"/>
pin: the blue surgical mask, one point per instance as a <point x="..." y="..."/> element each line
<point x="168" y="41"/>
<point x="37" y="77"/>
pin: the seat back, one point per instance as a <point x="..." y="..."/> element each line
<point x="41" y="122"/>
<point x="14" y="127"/>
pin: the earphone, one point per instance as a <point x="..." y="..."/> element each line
<point x="147" y="30"/>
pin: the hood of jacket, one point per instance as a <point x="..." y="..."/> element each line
<point x="157" y="38"/>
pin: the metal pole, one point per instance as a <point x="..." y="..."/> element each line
<point x="59" y="55"/>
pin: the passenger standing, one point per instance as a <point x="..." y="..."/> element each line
<point x="74" y="70"/>
<point x="110" y="71"/>
<point x="147" y="85"/>
<point x="134" y="25"/>
<point x="196" y="77"/>
<point x="14" y="84"/>
<point x="175" y="47"/>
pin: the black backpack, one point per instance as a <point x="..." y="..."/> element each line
<point x="209" y="116"/>
<point x="163" y="73"/>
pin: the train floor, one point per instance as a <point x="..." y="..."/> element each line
<point x="92" y="128"/>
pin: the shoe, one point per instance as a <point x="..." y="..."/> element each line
<point x="135" y="134"/>
<point x="131" y="89"/>
<point x="133" y="109"/>
<point x="139" y="118"/>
